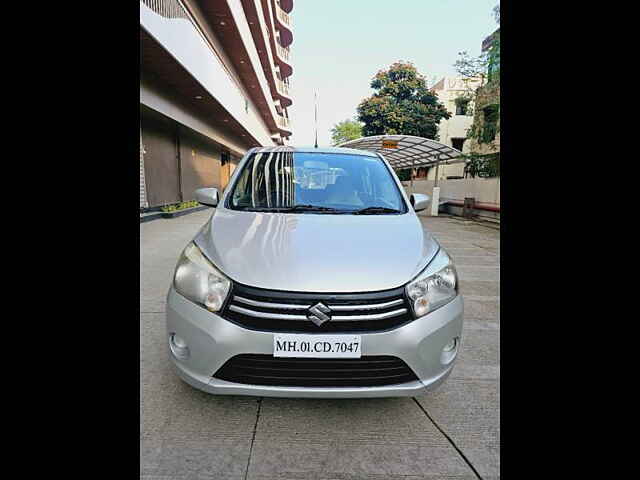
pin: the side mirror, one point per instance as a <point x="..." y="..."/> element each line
<point x="207" y="196"/>
<point x="419" y="201"/>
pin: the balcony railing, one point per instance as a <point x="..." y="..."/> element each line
<point x="283" y="52"/>
<point x="283" y="88"/>
<point x="166" y="8"/>
<point x="175" y="9"/>
<point x="283" y="122"/>
<point x="283" y="16"/>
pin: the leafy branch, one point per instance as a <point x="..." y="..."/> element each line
<point x="483" y="166"/>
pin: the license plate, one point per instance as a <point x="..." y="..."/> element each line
<point x="317" y="346"/>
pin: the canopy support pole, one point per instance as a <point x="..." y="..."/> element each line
<point x="435" y="194"/>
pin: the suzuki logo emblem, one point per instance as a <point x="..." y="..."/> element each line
<point x="319" y="313"/>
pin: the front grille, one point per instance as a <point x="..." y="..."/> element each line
<point x="279" y="311"/>
<point x="370" y="371"/>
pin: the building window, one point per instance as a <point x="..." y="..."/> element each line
<point x="457" y="143"/>
<point x="490" y="126"/>
<point x="462" y="106"/>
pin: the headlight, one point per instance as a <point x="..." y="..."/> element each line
<point x="198" y="280"/>
<point x="436" y="286"/>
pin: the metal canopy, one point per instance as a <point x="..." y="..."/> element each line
<point x="407" y="151"/>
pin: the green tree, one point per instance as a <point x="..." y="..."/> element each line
<point x="483" y="166"/>
<point x="345" y="131"/>
<point x="469" y="67"/>
<point x="402" y="104"/>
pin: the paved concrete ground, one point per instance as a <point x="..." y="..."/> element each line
<point x="188" y="434"/>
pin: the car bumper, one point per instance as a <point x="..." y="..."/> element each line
<point x="212" y="341"/>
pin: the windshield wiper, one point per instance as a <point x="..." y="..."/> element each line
<point x="308" y="208"/>
<point x="256" y="209"/>
<point x="294" y="208"/>
<point x="375" y="210"/>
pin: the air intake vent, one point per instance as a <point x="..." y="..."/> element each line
<point x="371" y="371"/>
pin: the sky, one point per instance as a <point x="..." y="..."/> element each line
<point x="339" y="45"/>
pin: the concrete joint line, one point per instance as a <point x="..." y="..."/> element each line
<point x="484" y="248"/>
<point x="449" y="439"/>
<point x="253" y="438"/>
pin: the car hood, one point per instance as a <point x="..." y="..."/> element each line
<point x="317" y="252"/>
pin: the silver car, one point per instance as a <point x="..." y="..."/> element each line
<point x="314" y="278"/>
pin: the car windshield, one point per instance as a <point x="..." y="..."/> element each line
<point x="316" y="182"/>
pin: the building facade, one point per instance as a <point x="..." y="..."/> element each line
<point x="456" y="94"/>
<point x="474" y="127"/>
<point x="214" y="82"/>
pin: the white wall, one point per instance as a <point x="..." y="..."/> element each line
<point x="484" y="190"/>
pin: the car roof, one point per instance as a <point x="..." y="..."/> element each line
<point x="337" y="150"/>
